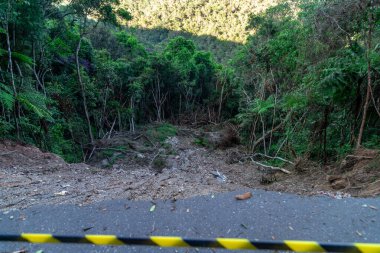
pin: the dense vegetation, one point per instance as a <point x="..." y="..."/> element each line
<point x="311" y="78"/>
<point x="306" y="83"/>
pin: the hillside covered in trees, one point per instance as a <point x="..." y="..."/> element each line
<point x="223" y="19"/>
<point x="217" y="26"/>
<point x="305" y="83"/>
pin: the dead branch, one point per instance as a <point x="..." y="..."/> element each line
<point x="146" y="138"/>
<point x="110" y="133"/>
<point x="154" y="158"/>
<point x="373" y="101"/>
<point x="359" y="157"/>
<point x="262" y="138"/>
<point x="271" y="167"/>
<point x="274" y="157"/>
<point x="92" y="152"/>
<point x="137" y="137"/>
<point x="279" y="126"/>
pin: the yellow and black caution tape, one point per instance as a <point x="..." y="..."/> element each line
<point x="223" y="243"/>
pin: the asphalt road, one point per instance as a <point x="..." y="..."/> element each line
<point x="266" y="216"/>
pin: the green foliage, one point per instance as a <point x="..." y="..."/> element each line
<point x="218" y="26"/>
<point x="260" y="106"/>
<point x="103" y="10"/>
<point x="306" y="73"/>
<point x="223" y="19"/>
<point x="294" y="101"/>
<point x="36" y="103"/>
<point x="22" y="58"/>
<point x="201" y="142"/>
<point x="59" y="145"/>
<point x="6" y="128"/>
<point x="6" y="97"/>
<point x="161" y="132"/>
<point x="296" y="87"/>
<point x="159" y="163"/>
<point x="3" y="52"/>
<point x="373" y="141"/>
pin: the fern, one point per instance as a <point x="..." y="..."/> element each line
<point x="22" y="57"/>
<point x="36" y="103"/>
<point x="294" y="100"/>
<point x="3" y="52"/>
<point x="260" y="106"/>
<point x="6" y="128"/>
<point x="6" y="97"/>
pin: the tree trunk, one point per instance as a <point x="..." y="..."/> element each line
<point x="220" y="103"/>
<point x="369" y="78"/>
<point x="40" y="84"/>
<point x="159" y="100"/>
<point x="10" y="63"/>
<point x="83" y="91"/>
<point x="132" y="122"/>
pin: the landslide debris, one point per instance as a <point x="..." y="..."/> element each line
<point x="187" y="162"/>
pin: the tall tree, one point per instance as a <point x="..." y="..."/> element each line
<point x="88" y="14"/>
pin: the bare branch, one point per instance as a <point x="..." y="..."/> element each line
<point x="271" y="167"/>
<point x="273" y="157"/>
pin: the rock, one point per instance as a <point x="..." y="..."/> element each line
<point x="348" y="163"/>
<point x="222" y="139"/>
<point x="172" y="141"/>
<point x="234" y="157"/>
<point x="213" y="138"/>
<point x="159" y="163"/>
<point x="172" y="162"/>
<point x="302" y="164"/>
<point x="339" y="184"/>
<point x="105" y="163"/>
<point x="139" y="155"/>
<point x="268" y="178"/>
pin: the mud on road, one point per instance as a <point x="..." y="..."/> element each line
<point x="175" y="169"/>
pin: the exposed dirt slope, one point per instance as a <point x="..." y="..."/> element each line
<point x="174" y="169"/>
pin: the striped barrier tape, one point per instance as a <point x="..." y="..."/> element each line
<point x="223" y="243"/>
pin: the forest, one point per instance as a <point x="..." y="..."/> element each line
<point x="303" y="79"/>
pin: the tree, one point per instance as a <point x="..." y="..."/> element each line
<point x="7" y="15"/>
<point x="102" y="11"/>
<point x="372" y="12"/>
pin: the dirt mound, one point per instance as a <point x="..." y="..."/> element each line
<point x="14" y="154"/>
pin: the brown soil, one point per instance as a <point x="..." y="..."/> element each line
<point x="177" y="169"/>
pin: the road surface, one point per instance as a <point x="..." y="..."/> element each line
<point x="266" y="216"/>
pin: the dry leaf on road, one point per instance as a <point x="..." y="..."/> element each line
<point x="244" y="196"/>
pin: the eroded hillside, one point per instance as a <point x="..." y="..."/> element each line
<point x="147" y="166"/>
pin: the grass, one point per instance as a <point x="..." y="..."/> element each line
<point x="161" y="132"/>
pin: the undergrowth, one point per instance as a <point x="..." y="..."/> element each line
<point x="160" y="132"/>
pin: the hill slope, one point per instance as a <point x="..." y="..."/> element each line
<point x="210" y="20"/>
